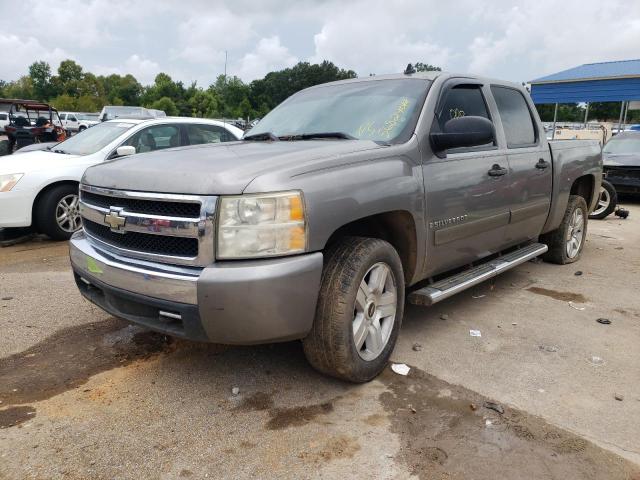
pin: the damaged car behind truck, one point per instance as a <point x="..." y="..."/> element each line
<point x="343" y="199"/>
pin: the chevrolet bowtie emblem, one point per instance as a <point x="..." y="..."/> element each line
<point x="115" y="220"/>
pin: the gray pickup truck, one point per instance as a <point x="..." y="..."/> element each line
<point x="344" y="201"/>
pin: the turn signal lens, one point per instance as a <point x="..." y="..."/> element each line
<point x="7" y="182"/>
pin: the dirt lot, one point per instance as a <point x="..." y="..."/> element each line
<point x="87" y="396"/>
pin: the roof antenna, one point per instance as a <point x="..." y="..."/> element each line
<point x="409" y="70"/>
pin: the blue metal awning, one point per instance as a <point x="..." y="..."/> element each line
<point x="594" y="82"/>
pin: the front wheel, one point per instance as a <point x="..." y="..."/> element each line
<point x="359" y="311"/>
<point x="607" y="201"/>
<point x="58" y="212"/>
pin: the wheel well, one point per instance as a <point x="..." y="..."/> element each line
<point x="583" y="186"/>
<point x="43" y="191"/>
<point x="396" y="227"/>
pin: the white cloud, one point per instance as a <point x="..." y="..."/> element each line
<point x="20" y="52"/>
<point x="511" y="39"/>
<point x="204" y="38"/>
<point x="371" y="38"/>
<point x="538" y="38"/>
<point x="143" y="69"/>
<point x="269" y="55"/>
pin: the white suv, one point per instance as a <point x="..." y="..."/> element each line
<point x="40" y="188"/>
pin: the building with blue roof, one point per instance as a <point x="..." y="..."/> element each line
<point x="617" y="81"/>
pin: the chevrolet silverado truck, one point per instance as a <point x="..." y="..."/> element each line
<point x="343" y="199"/>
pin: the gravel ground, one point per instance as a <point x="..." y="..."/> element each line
<point x="85" y="395"/>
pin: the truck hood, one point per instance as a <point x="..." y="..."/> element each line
<point x="623" y="160"/>
<point x="36" y="161"/>
<point x="220" y="169"/>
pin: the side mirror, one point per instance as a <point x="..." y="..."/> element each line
<point x="463" y="132"/>
<point x="125" y="150"/>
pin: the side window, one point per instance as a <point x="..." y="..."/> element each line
<point x="516" y="117"/>
<point x="199" y="134"/>
<point x="155" y="138"/>
<point x="3" y="116"/>
<point x="71" y="118"/>
<point x="464" y="101"/>
<point x="63" y="116"/>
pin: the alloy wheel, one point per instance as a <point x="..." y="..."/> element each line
<point x="68" y="213"/>
<point x="374" y="311"/>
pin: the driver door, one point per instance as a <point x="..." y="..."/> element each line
<point x="467" y="201"/>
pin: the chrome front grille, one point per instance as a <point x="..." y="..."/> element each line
<point x="168" y="228"/>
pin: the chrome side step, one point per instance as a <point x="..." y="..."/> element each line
<point x="449" y="286"/>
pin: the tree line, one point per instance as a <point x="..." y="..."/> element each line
<point x="71" y="88"/>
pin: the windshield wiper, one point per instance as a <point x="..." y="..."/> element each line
<point x="310" y="136"/>
<point x="264" y="136"/>
<point x="58" y="150"/>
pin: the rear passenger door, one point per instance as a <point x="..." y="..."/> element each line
<point x="198" y="134"/>
<point x="529" y="164"/>
<point x="467" y="190"/>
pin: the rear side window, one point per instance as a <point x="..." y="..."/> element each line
<point x="199" y="134"/>
<point x="516" y="117"/>
<point x="3" y="116"/>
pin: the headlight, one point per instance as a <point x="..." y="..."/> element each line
<point x="265" y="225"/>
<point x="7" y="182"/>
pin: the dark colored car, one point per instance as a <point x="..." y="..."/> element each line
<point x="621" y="156"/>
<point x="31" y="122"/>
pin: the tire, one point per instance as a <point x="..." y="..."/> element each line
<point x="607" y="201"/>
<point x="558" y="240"/>
<point x="352" y="263"/>
<point x="49" y="208"/>
<point x="81" y="128"/>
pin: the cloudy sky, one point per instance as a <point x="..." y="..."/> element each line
<point x="515" y="40"/>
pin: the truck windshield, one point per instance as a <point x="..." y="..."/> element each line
<point x="93" y="139"/>
<point x="384" y="111"/>
<point x="623" y="145"/>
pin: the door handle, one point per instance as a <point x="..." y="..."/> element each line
<point x="542" y="164"/>
<point x="497" y="171"/>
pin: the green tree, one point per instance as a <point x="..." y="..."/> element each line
<point x="70" y="78"/>
<point x="275" y="87"/>
<point x="21" y="88"/>
<point x="40" y="74"/>
<point x="64" y="102"/>
<point x="166" y="104"/>
<point x="426" y="67"/>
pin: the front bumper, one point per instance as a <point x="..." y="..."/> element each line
<point x="15" y="208"/>
<point x="239" y="302"/>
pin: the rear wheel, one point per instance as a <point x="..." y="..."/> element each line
<point x="607" y="201"/>
<point x="567" y="241"/>
<point x="57" y="212"/>
<point x="359" y="310"/>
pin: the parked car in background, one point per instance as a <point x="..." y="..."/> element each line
<point x="40" y="188"/>
<point x="621" y="169"/>
<point x="622" y="162"/>
<point x="87" y="120"/>
<point x="111" y="112"/>
<point x="342" y="198"/>
<point x="70" y="121"/>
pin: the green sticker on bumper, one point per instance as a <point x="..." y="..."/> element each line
<point x="92" y="266"/>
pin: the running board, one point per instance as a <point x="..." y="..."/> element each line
<point x="449" y="286"/>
